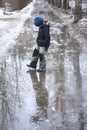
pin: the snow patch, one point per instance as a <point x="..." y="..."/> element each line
<point x="11" y="26"/>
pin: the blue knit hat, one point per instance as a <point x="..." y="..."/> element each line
<point x="38" y="21"/>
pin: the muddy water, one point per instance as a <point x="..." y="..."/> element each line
<point x="52" y="100"/>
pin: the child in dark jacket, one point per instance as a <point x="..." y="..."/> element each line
<point x="43" y="43"/>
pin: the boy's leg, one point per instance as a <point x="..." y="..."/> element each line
<point x="42" y="65"/>
<point x="34" y="61"/>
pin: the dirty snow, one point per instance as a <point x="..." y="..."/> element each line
<point x="11" y="26"/>
<point x="62" y="83"/>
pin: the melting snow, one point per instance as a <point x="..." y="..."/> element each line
<point x="11" y="26"/>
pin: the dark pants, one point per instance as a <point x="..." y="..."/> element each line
<point x="38" y="54"/>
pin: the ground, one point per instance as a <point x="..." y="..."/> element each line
<point x="51" y="100"/>
<point x="77" y="30"/>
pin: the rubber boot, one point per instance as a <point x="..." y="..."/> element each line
<point x="34" y="61"/>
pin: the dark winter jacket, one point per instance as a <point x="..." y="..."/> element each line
<point x="43" y="38"/>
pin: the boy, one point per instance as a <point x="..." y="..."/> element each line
<point x="43" y="43"/>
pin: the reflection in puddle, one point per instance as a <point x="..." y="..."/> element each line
<point x="41" y="95"/>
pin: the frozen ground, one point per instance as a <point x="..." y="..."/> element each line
<point x="11" y="26"/>
<point x="54" y="100"/>
<point x="78" y="30"/>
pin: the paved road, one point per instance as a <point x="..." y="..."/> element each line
<point x="53" y="100"/>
